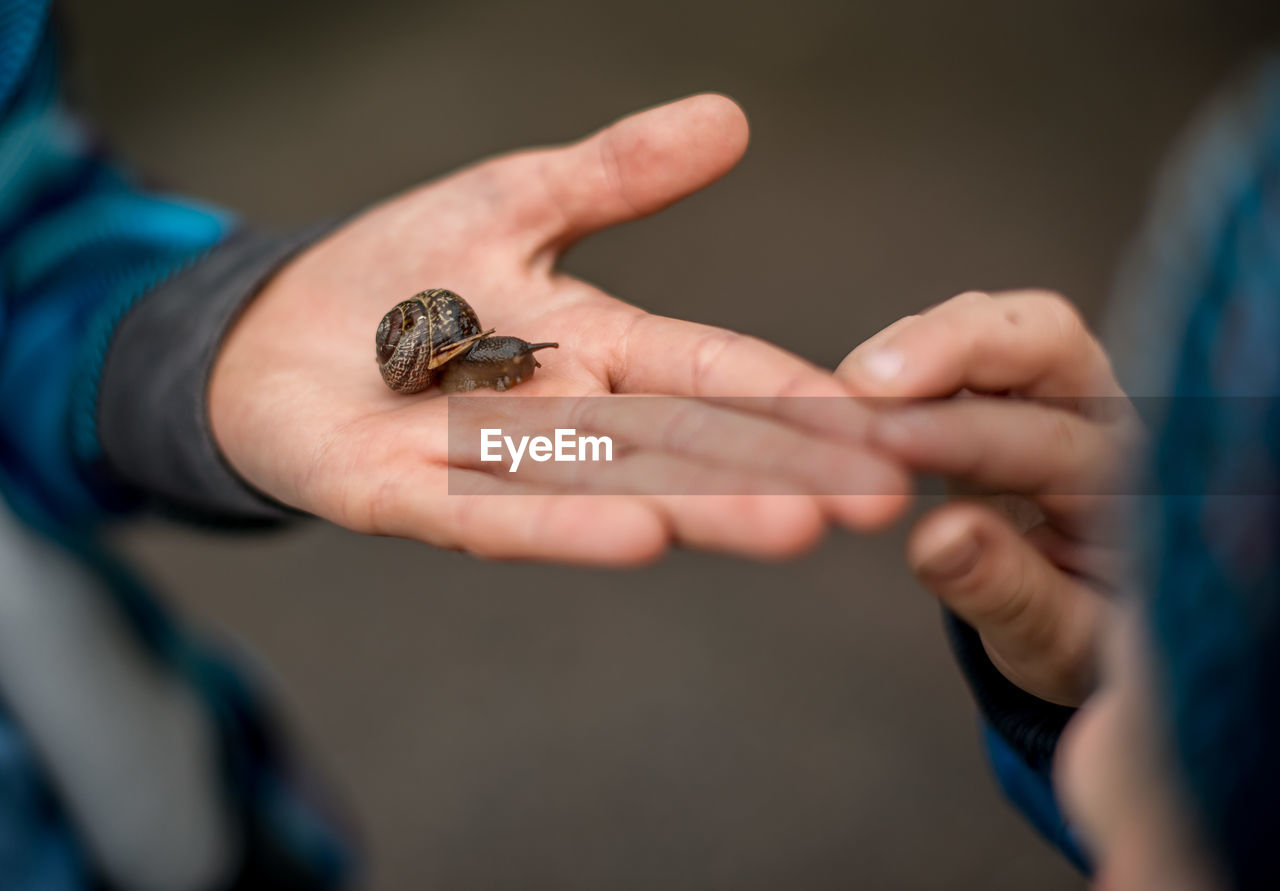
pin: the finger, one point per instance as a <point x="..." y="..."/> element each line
<point x="655" y="354"/>
<point x="1003" y="445"/>
<point x="622" y="469"/>
<point x="741" y="436"/>
<point x="710" y="506"/>
<point x="761" y="526"/>
<point x="699" y="507"/>
<point x="1031" y="342"/>
<point x="720" y="508"/>
<point x="746" y="439"/>
<point x="636" y="507"/>
<point x="491" y="517"/>
<point x="660" y="355"/>
<point x="1038" y="624"/>
<point x="637" y="166"/>
<point x="674" y="446"/>
<point x="847" y="370"/>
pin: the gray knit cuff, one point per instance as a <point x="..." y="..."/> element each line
<point x="153" y="412"/>
<point x="1029" y="724"/>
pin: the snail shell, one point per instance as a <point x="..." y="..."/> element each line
<point x="438" y="331"/>
<point x="422" y="333"/>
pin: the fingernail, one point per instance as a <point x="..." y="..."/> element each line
<point x="953" y="560"/>
<point x="883" y="364"/>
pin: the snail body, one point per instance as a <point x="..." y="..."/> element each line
<point x="436" y="336"/>
<point x="497" y="362"/>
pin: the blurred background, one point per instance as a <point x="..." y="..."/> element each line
<point x="705" y="723"/>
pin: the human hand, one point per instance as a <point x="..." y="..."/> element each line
<point x="1060" y="439"/>
<point x="299" y="410"/>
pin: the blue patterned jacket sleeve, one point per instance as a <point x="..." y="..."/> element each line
<point x="93" y="268"/>
<point x="80" y="242"/>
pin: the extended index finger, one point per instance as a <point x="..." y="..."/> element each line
<point x="659" y="355"/>
<point x="1031" y="342"/>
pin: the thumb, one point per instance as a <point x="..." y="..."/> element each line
<point x="1037" y="622"/>
<point x="641" y="164"/>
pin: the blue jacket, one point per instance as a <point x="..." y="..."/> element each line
<point x="100" y="414"/>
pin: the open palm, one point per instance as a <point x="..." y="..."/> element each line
<point x="300" y="411"/>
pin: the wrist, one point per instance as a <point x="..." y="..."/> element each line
<point x="154" y="407"/>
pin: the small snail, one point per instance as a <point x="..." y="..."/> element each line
<point x="437" y="330"/>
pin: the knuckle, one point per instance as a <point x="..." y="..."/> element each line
<point x="1019" y="592"/>
<point x="981" y="586"/>
<point x="614" y="173"/>
<point x="1064" y="317"/>
<point x="1062" y="435"/>
<point x="1049" y="295"/>
<point x="969" y="463"/>
<point x="794" y="385"/>
<point x="682" y="427"/>
<point x="708" y="351"/>
<point x="1003" y="591"/>
<point x="970" y="299"/>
